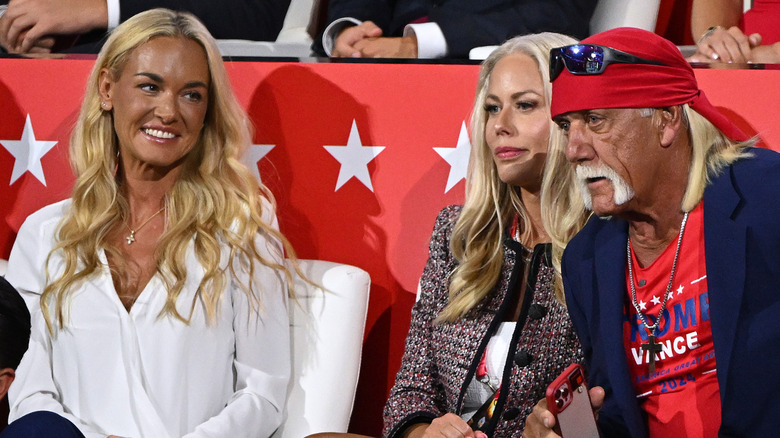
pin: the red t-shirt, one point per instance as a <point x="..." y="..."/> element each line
<point x="681" y="398"/>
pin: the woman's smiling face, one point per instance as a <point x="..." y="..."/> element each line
<point x="159" y="103"/>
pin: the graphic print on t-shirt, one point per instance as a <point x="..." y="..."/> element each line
<point x="682" y="394"/>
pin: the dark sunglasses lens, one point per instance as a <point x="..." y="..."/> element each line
<point x="556" y="63"/>
<point x="584" y="59"/>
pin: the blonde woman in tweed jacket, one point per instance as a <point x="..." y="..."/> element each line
<point x="490" y="314"/>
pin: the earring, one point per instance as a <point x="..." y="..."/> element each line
<point x="104" y="105"/>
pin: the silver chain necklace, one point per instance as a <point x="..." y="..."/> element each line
<point x="651" y="346"/>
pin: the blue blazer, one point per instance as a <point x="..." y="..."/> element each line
<point x="742" y="253"/>
<point x="257" y="20"/>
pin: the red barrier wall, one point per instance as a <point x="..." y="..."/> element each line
<point x="380" y="223"/>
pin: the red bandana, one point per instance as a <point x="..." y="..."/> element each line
<point x="638" y="85"/>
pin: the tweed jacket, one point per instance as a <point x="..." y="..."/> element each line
<point x="440" y="359"/>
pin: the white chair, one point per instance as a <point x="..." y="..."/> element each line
<point x="293" y="40"/>
<point x="326" y="327"/>
<point x="296" y="22"/>
<point x="609" y="14"/>
<point x="482" y="52"/>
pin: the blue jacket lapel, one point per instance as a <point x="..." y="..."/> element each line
<point x="611" y="279"/>
<point x="724" y="243"/>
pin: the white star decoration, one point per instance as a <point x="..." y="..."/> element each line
<point x="642" y="305"/>
<point x="680" y="289"/>
<point x="457" y="158"/>
<point x="655" y="300"/>
<point x="254" y="154"/>
<point x="354" y="159"/>
<point x="27" y="153"/>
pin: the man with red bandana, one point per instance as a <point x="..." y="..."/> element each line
<point x="673" y="288"/>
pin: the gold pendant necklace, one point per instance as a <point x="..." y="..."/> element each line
<point x="131" y="237"/>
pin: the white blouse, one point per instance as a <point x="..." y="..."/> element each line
<point x="136" y="374"/>
<point x="477" y="393"/>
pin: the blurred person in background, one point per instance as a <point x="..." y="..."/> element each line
<point x="14" y="333"/>
<point x="14" y="338"/>
<point x="442" y="29"/>
<point x="724" y="34"/>
<point x="81" y="26"/>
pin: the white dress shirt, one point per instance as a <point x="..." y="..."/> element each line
<point x="477" y="393"/>
<point x="112" y="6"/>
<point x="430" y="39"/>
<point x="137" y="374"/>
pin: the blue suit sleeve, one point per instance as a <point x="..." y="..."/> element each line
<point x="258" y="20"/>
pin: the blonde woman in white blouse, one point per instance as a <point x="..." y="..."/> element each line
<point x="158" y="291"/>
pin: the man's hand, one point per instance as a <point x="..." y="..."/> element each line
<point x="28" y="23"/>
<point x="541" y="422"/>
<point x="42" y="47"/>
<point x="401" y="47"/>
<point x="726" y="45"/>
<point x="766" y="54"/>
<point x="344" y="45"/>
<point x="448" y="425"/>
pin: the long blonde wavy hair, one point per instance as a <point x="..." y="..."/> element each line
<point x="491" y="204"/>
<point x="216" y="201"/>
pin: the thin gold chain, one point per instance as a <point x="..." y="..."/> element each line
<point x="131" y="237"/>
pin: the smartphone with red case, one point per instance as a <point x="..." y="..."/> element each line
<point x="568" y="399"/>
